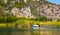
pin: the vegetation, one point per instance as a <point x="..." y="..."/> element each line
<point x="7" y="19"/>
<point x="1" y="4"/>
<point x="12" y="21"/>
<point x="41" y="18"/>
<point x="19" y="5"/>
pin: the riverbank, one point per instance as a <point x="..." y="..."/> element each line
<point x="28" y="23"/>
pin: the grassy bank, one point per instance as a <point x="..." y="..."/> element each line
<point x="31" y="22"/>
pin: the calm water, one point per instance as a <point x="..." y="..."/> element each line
<point x="41" y="31"/>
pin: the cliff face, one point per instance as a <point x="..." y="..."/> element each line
<point x="33" y="8"/>
<point x="49" y="10"/>
<point x="24" y="12"/>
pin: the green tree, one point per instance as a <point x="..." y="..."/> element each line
<point x="41" y="18"/>
<point x="58" y="19"/>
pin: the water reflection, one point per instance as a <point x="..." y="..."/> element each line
<point x="42" y="31"/>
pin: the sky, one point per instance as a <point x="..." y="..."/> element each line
<point x="54" y="1"/>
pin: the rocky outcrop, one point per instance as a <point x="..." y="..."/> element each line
<point x="42" y="7"/>
<point x="49" y="10"/>
<point x="24" y="12"/>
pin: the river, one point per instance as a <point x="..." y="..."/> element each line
<point x="41" y="31"/>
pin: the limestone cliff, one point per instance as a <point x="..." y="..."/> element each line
<point x="33" y="8"/>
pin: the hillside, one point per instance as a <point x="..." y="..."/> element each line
<point x="30" y="8"/>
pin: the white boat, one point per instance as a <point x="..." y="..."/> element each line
<point x="35" y="27"/>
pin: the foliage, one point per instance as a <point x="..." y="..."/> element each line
<point x="58" y="19"/>
<point x="7" y="19"/>
<point x="1" y="3"/>
<point x="49" y="19"/>
<point x="19" y="5"/>
<point x="41" y="18"/>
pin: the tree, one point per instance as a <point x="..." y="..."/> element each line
<point x="1" y="3"/>
<point x="58" y="19"/>
<point x="41" y="18"/>
<point x="20" y="5"/>
<point x="7" y="19"/>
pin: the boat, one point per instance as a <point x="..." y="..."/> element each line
<point x="35" y="27"/>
